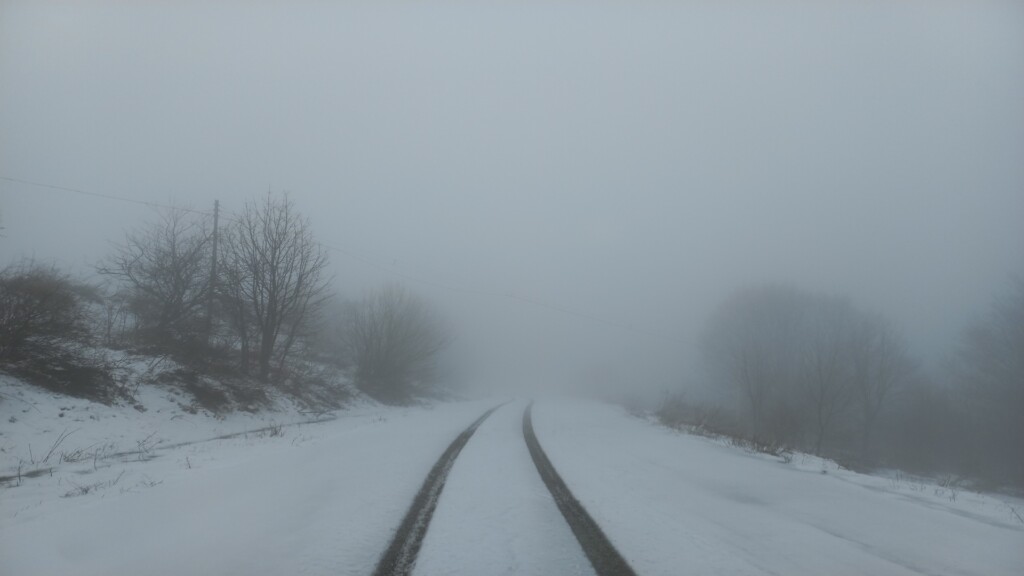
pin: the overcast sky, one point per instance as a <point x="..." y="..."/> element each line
<point x="631" y="161"/>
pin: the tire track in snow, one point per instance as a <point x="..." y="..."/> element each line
<point x="603" y="556"/>
<point x="400" y="556"/>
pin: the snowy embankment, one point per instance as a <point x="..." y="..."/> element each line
<point x="674" y="503"/>
<point x="40" y="429"/>
<point x="314" y="499"/>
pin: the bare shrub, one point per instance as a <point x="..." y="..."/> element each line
<point x="713" y="422"/>
<point x="769" y="447"/>
<point x="40" y="309"/>
<point x="83" y="489"/>
<point x="394" y="339"/>
<point x="272" y="431"/>
<point x="676" y="412"/>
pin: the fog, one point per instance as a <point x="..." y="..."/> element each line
<point x="576" y="187"/>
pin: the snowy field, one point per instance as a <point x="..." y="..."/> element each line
<point x="326" y="498"/>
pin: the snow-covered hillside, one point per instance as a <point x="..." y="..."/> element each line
<point x="41" y="429"/>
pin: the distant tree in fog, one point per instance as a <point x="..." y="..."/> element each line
<point x="749" y="346"/>
<point x="274" y="279"/>
<point x="164" y="270"/>
<point x="881" y="367"/>
<point x="328" y="341"/>
<point x="802" y="361"/>
<point x="825" y="375"/>
<point x="393" y="340"/>
<point x="992" y="378"/>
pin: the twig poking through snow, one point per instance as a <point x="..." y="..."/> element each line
<point x="87" y="488"/>
<point x="60" y="439"/>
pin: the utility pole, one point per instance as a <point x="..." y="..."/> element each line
<point x="211" y="286"/>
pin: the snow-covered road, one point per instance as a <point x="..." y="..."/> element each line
<point x="328" y="498"/>
<point x="495" y="515"/>
<point x="678" y="504"/>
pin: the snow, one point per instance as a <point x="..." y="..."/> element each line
<point x="326" y="498"/>
<point x="32" y="420"/>
<point x="671" y="502"/>
<point x="318" y="499"/>
<point x="495" y="516"/>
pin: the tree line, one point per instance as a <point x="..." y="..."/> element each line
<point x="247" y="292"/>
<point x="813" y="372"/>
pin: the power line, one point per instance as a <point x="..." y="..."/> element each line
<point x="105" y="196"/>
<point x="375" y="264"/>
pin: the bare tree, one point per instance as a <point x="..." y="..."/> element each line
<point x="328" y="339"/>
<point x="991" y="373"/>
<point x="993" y="352"/>
<point x="825" y="378"/>
<point x="749" y="346"/>
<point x="790" y="354"/>
<point x="275" y="275"/>
<point x="881" y="366"/>
<point x="393" y="340"/>
<point x="164" y="268"/>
